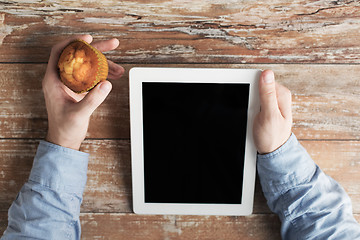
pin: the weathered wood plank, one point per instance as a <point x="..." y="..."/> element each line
<point x="108" y="186"/>
<point x="240" y="31"/>
<point x="15" y="165"/>
<point x="326" y="101"/>
<point x="129" y="226"/>
<point x="109" y="173"/>
<point x="143" y="227"/>
<point x="109" y="176"/>
<point x="341" y="161"/>
<point x="147" y="227"/>
<point x="22" y="99"/>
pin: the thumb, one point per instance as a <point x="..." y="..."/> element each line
<point x="94" y="98"/>
<point x="267" y="91"/>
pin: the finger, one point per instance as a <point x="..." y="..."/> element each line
<point x="267" y="91"/>
<point x="284" y="100"/>
<point x="115" y="70"/>
<point x="94" y="98"/>
<point x="106" y="45"/>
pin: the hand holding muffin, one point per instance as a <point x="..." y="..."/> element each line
<point x="69" y="112"/>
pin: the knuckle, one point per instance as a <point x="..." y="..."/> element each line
<point x="269" y="92"/>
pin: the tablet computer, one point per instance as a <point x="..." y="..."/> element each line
<point x="192" y="148"/>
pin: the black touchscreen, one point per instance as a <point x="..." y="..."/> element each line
<point x="194" y="141"/>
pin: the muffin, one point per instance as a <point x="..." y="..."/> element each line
<point x="81" y="66"/>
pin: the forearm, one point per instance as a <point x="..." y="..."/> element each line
<point x="48" y="205"/>
<point x="309" y="203"/>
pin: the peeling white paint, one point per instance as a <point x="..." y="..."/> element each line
<point x="170" y="227"/>
<point x="4" y="29"/>
<point x="170" y="49"/>
<point x="110" y="21"/>
<point x="53" y="20"/>
<point x="213" y="33"/>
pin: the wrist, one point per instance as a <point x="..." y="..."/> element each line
<point x="63" y="141"/>
<point x="290" y="141"/>
<point x="276" y="146"/>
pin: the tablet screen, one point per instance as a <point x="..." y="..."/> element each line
<point x="194" y="142"/>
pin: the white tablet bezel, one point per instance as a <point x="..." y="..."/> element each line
<point x="139" y="75"/>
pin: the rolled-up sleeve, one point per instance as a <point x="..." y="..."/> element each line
<point x="310" y="204"/>
<point x="48" y="205"/>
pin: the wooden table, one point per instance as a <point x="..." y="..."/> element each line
<point x="313" y="47"/>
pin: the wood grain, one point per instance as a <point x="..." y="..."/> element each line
<point x="238" y="31"/>
<point x="143" y="227"/>
<point x="325" y="101"/>
<point x="108" y="187"/>
<point x="156" y="227"/>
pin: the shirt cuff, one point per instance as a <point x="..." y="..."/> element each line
<point x="60" y="169"/>
<point x="286" y="167"/>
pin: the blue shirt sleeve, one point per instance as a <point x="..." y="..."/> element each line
<point x="310" y="204"/>
<point x="48" y="205"/>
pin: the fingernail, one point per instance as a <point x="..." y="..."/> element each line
<point x="117" y="41"/>
<point x="105" y="87"/>
<point x="268" y="78"/>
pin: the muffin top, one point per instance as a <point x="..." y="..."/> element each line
<point x="78" y="66"/>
